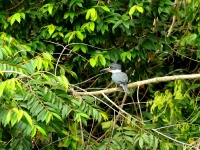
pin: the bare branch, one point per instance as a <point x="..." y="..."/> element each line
<point x="139" y="83"/>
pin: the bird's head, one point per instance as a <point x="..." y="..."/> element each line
<point x="114" y="68"/>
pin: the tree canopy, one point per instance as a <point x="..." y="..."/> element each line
<point x="53" y="95"/>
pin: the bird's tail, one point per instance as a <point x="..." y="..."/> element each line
<point x="125" y="88"/>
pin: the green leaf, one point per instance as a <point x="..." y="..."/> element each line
<point x="28" y="118"/>
<point x="13" y="119"/>
<point x="105" y="8"/>
<point x="62" y="71"/>
<point x="149" y="126"/>
<point x="22" y="15"/>
<point x="93" y="62"/>
<point x="145" y="137"/>
<point x="126" y="24"/>
<point x="102" y="60"/>
<point x="70" y="37"/>
<point x="65" y="111"/>
<point x="8" y="50"/>
<point x="195" y="117"/>
<point x="79" y="4"/>
<point x="15" y="110"/>
<point x="194" y="86"/>
<point x="55" y="34"/>
<point x="65" y="81"/>
<point x="51" y="29"/>
<point x="88" y="14"/>
<point x="103" y="114"/>
<point x="57" y="116"/>
<point x="59" y="79"/>
<point x="48" y="118"/>
<point x="61" y="34"/>
<point x="66" y="15"/>
<point x="79" y="35"/>
<point x="8" y="117"/>
<point x="41" y="130"/>
<point x="17" y="17"/>
<point x="47" y="56"/>
<point x="155" y="143"/>
<point x="140" y="9"/>
<point x="141" y="143"/>
<point x="50" y="8"/>
<point x="123" y="56"/>
<point x="2" y="86"/>
<point x="91" y="26"/>
<point x="83" y="48"/>
<point x="164" y="146"/>
<point x="39" y="63"/>
<point x="132" y="10"/>
<point x="12" y="20"/>
<point x="106" y="125"/>
<point x="93" y="14"/>
<point x="19" y="115"/>
<point x="33" y="133"/>
<point x="189" y="39"/>
<point x="128" y="55"/>
<point x="117" y="24"/>
<point x="76" y="48"/>
<point x="84" y="115"/>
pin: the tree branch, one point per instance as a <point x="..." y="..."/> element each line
<point x="173" y="20"/>
<point x="139" y="83"/>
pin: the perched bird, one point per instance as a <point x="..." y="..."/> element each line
<point x="118" y="76"/>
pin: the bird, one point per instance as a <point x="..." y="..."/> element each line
<point x="118" y="76"/>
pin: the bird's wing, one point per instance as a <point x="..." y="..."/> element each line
<point x="120" y="78"/>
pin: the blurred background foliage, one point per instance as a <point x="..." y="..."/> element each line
<point x="49" y="48"/>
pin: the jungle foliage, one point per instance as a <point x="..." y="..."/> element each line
<point x="50" y="48"/>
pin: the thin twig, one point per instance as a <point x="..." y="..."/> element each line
<point x="117" y="117"/>
<point x="173" y="20"/>
<point x="173" y="139"/>
<point x="139" y="102"/>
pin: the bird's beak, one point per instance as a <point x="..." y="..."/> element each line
<point x="106" y="69"/>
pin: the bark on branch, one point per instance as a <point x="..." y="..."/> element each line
<point x="139" y="83"/>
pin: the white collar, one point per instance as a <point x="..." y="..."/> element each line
<point x="115" y="71"/>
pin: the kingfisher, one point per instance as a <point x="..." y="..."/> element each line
<point x="118" y="76"/>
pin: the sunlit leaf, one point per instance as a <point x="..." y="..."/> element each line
<point x="92" y="62"/>
<point x="132" y="10"/>
<point x="28" y="118"/>
<point x="13" y="119"/>
<point x="8" y="117"/>
<point x="22" y="15"/>
<point x="39" y="63"/>
<point x="141" y="143"/>
<point x="65" y="81"/>
<point x="41" y="129"/>
<point x="47" y="56"/>
<point x="17" y="17"/>
<point x="33" y="133"/>
<point x="79" y="35"/>
<point x="19" y="115"/>
<point x="105" y="8"/>
<point x="2" y="86"/>
<point x="51" y="29"/>
<point x="50" y="8"/>
<point x="88" y="14"/>
<point x="102" y="60"/>
<point x="140" y="9"/>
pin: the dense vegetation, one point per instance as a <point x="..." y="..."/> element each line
<point x="51" y="87"/>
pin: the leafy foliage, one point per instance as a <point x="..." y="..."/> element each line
<point x="48" y="50"/>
